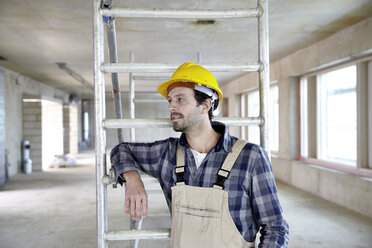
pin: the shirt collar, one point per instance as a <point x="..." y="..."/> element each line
<point x="224" y="141"/>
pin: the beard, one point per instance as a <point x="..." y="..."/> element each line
<point x="179" y="125"/>
<point x="185" y="123"/>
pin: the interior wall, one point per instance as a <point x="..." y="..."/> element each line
<point x="347" y="190"/>
<point x="16" y="85"/>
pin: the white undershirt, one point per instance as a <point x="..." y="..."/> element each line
<point x="199" y="157"/>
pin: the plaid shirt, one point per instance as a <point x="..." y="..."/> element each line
<point x="253" y="199"/>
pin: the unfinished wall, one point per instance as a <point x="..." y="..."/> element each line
<point x="345" y="189"/>
<point x="16" y="85"/>
<point x="32" y="117"/>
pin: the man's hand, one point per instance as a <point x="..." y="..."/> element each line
<point x="135" y="195"/>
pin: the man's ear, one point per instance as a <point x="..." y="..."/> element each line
<point x="207" y="105"/>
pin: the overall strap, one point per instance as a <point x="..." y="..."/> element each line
<point x="180" y="166"/>
<point x="229" y="162"/>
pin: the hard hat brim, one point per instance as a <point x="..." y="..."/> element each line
<point x="162" y="89"/>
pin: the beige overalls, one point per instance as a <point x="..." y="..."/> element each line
<point x="200" y="216"/>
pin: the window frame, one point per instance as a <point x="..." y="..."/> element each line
<point x="363" y="90"/>
<point x="244" y="113"/>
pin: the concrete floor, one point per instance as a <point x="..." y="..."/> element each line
<point x="57" y="209"/>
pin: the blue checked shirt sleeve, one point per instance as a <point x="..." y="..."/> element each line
<point x="146" y="157"/>
<point x="265" y="203"/>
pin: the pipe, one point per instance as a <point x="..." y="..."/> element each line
<point x="264" y="74"/>
<point x="166" y="122"/>
<point x="100" y="139"/>
<point x="131" y="99"/>
<point x="182" y="13"/>
<point x="157" y="67"/>
<point x="75" y="75"/>
<point x="113" y="54"/>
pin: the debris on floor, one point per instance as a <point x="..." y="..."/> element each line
<point x="63" y="161"/>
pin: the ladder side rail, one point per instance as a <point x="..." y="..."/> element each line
<point x="132" y="135"/>
<point x="181" y="13"/>
<point x="159" y="67"/>
<point x="113" y="54"/>
<point x="166" y="122"/>
<point x="100" y="140"/>
<point x="132" y="106"/>
<point x="264" y="73"/>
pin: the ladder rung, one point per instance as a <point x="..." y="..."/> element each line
<point x="150" y="100"/>
<point x="182" y="13"/>
<point x="166" y="122"/>
<point x="164" y="214"/>
<point x="152" y="78"/>
<point x="138" y="234"/>
<point x="157" y="67"/>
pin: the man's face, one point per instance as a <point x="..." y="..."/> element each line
<point x="184" y="110"/>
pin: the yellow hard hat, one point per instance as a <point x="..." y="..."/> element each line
<point x="191" y="72"/>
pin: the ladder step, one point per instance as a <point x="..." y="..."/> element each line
<point x="138" y="234"/>
<point x="157" y="67"/>
<point x="182" y="13"/>
<point x="166" y="122"/>
<point x="164" y="214"/>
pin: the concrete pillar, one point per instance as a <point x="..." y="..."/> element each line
<point x="2" y="128"/>
<point x="66" y="128"/>
<point x="362" y="115"/>
<point x="312" y="116"/>
<point x="369" y="110"/>
<point x="70" y="129"/>
<point x="288" y="118"/>
<point x="32" y="117"/>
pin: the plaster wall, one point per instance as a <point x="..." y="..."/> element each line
<point x="345" y="189"/>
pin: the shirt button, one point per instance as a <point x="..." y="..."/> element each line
<point x="195" y="181"/>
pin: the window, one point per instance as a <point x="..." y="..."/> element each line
<point x="251" y="108"/>
<point x="329" y="116"/>
<point x="337" y="109"/>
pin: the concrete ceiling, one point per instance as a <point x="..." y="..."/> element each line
<point x="37" y="34"/>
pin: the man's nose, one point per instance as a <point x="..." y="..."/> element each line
<point x="171" y="106"/>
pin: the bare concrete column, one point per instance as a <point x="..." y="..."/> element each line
<point x="66" y="128"/>
<point x="288" y="118"/>
<point x="312" y="116"/>
<point x="2" y="128"/>
<point x="70" y="129"/>
<point x="362" y="115"/>
<point x="32" y="117"/>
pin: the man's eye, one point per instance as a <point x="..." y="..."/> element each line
<point x="180" y="99"/>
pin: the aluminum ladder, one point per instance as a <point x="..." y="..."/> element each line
<point x="100" y="68"/>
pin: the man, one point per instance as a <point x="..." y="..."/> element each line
<point x="220" y="189"/>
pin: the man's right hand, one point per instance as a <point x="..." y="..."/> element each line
<point x="135" y="195"/>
